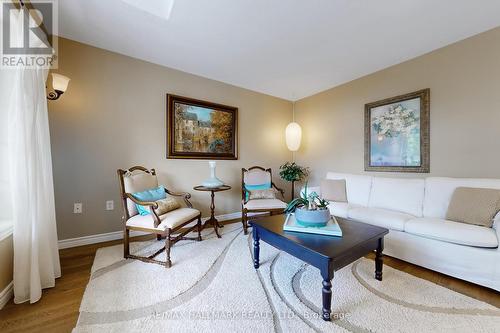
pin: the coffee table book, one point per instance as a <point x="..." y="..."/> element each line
<point x="332" y="228"/>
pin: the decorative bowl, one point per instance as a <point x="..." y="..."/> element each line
<point x="312" y="218"/>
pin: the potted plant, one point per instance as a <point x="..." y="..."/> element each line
<point x="291" y="172"/>
<point x="310" y="210"/>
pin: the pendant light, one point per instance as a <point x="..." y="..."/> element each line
<point x="293" y="133"/>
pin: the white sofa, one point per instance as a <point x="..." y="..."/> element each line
<point x="414" y="211"/>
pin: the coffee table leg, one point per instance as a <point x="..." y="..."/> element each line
<point x="327" y="296"/>
<point x="379" y="260"/>
<point x="256" y="248"/>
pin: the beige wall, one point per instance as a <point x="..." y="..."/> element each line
<point x="6" y="262"/>
<point x="464" y="79"/>
<point x="113" y="116"/>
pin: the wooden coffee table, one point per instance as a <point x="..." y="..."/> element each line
<point x="327" y="253"/>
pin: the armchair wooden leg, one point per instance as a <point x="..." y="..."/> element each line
<point x="199" y="228"/>
<point x="126" y="248"/>
<point x="244" y="221"/>
<point x="168" y="244"/>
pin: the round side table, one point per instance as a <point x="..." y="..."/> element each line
<point x="212" y="191"/>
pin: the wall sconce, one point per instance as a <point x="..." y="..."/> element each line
<point x="60" y="84"/>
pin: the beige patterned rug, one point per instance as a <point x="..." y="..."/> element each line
<point x="212" y="286"/>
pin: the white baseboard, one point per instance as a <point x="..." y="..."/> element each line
<point x="92" y="239"/>
<point x="99" y="238"/>
<point x="6" y="294"/>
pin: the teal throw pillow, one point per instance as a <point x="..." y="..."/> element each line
<point x="149" y="195"/>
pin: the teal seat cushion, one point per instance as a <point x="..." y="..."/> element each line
<point x="153" y="194"/>
<point x="249" y="188"/>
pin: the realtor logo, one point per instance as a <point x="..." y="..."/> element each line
<point x="28" y="35"/>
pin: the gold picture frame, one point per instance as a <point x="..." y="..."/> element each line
<point x="199" y="129"/>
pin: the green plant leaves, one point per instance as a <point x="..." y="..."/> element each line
<point x="291" y="172"/>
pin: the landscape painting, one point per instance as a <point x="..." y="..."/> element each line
<point x="200" y="130"/>
<point x="397" y="133"/>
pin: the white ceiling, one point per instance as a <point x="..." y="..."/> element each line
<point x="286" y="48"/>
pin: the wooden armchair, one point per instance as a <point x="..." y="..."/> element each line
<point x="254" y="177"/>
<point x="171" y="224"/>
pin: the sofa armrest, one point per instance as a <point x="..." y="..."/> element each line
<point x="311" y="189"/>
<point x="496" y="226"/>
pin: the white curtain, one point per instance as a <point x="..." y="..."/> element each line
<point x="36" y="256"/>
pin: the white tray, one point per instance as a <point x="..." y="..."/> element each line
<point x="332" y="228"/>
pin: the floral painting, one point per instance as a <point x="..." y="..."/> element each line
<point x="397" y="131"/>
<point x="199" y="129"/>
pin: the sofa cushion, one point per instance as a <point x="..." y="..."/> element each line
<point x="380" y="217"/>
<point x="340" y="209"/>
<point x="169" y="220"/>
<point x="438" y="192"/>
<point x="398" y="194"/>
<point x="357" y="187"/>
<point x="452" y="232"/>
<point x="474" y="206"/>
<point x="265" y="204"/>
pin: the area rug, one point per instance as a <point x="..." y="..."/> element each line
<point x="212" y="286"/>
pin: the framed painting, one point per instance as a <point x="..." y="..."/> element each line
<point x="201" y="130"/>
<point x="397" y="133"/>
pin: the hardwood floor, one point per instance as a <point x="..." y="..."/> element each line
<point x="57" y="311"/>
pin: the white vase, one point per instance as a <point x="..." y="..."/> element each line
<point x="213" y="181"/>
